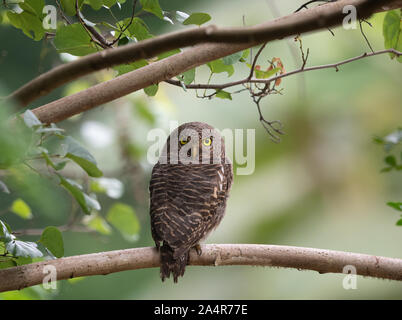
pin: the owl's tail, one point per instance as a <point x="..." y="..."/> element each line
<point x="172" y="265"/>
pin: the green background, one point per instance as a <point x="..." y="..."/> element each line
<point x="321" y="187"/>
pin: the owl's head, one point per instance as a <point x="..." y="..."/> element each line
<point x="195" y="143"/>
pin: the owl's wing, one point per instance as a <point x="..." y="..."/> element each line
<point x="187" y="201"/>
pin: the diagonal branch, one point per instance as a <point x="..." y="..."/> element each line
<point x="320" y="260"/>
<point x="324" y="16"/>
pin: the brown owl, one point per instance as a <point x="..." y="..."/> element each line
<point x="189" y="188"/>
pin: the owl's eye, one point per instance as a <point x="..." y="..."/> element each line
<point x="183" y="141"/>
<point x="207" y="142"/>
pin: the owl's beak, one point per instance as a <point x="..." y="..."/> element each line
<point x="194" y="152"/>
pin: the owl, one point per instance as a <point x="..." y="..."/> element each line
<point x="189" y="188"/>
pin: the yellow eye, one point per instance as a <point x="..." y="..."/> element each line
<point x="183" y="141"/>
<point x="207" y="141"/>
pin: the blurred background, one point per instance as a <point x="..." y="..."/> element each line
<point x="320" y="187"/>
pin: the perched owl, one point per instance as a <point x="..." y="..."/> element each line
<point x="188" y="191"/>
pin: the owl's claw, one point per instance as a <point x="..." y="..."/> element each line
<point x="197" y="248"/>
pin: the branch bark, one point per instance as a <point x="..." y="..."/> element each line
<point x="239" y="38"/>
<point x="322" y="261"/>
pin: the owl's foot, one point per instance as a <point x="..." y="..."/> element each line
<point x="157" y="245"/>
<point x="197" y="248"/>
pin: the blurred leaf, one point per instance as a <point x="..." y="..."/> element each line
<point x="124" y="68"/>
<point x="20" y="248"/>
<point x="31" y="120"/>
<point x="74" y="40"/>
<point x="34" y="7"/>
<point x="392" y="31"/>
<point x="168" y="54"/>
<point x="198" y="19"/>
<point x="181" y="16"/>
<point x="188" y="76"/>
<point x="399" y="222"/>
<point x="137" y="29"/>
<point x="5" y="232"/>
<point x="395" y="205"/>
<point x="144" y="111"/>
<point x="151" y="90"/>
<point x="390" y="160"/>
<point x="52" y="239"/>
<point x="81" y="156"/>
<point x="20" y="208"/>
<point x="223" y="95"/>
<point x="69" y="6"/>
<point x="91" y="202"/>
<point x="233" y="58"/>
<point x="114" y="188"/>
<point x="3" y="187"/>
<point x="153" y="7"/>
<point x="99" y="224"/>
<point x="76" y="193"/>
<point x="123" y="218"/>
<point x="29" y="23"/>
<point x="217" y="66"/>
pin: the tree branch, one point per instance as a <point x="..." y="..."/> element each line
<point x="274" y="78"/>
<point x="323" y="261"/>
<point x="309" y="20"/>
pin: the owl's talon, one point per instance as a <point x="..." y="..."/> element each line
<point x="197" y="248"/>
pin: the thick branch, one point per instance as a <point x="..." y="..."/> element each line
<point x="323" y="261"/>
<point x="309" y="20"/>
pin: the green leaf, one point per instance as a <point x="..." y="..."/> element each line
<point x="52" y="239"/>
<point x="75" y="152"/>
<point x="5" y="232"/>
<point x="29" y="23"/>
<point x="233" y="58"/>
<point x="223" y="95"/>
<point x="99" y="224"/>
<point x="20" y="248"/>
<point x="399" y="222"/>
<point x="79" y="196"/>
<point x="69" y="6"/>
<point x="197" y="18"/>
<point x="113" y="188"/>
<point x="3" y="187"/>
<point x="181" y="16"/>
<point x="390" y="160"/>
<point x="188" y="76"/>
<point x="168" y="54"/>
<point x="392" y="31"/>
<point x="395" y="205"/>
<point x="151" y="90"/>
<point x="153" y="7"/>
<point x="123" y="218"/>
<point x="95" y="4"/>
<point x="217" y="66"/>
<point x="74" y="40"/>
<point x="137" y="29"/>
<point x="34" y="7"/>
<point x="31" y="120"/>
<point x="124" y="68"/>
<point x="20" y="208"/>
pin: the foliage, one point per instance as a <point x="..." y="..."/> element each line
<point x="392" y="146"/>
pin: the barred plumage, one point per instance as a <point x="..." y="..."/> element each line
<point x="188" y="200"/>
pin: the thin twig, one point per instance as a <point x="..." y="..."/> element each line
<point x="300" y="70"/>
